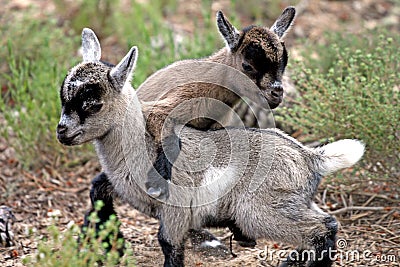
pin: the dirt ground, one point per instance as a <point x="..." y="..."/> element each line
<point x="368" y="211"/>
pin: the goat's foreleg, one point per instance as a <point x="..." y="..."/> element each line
<point x="242" y="239"/>
<point x="102" y="190"/>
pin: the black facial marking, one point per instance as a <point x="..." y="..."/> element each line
<point x="264" y="55"/>
<point x="86" y="101"/>
<point x="255" y="55"/>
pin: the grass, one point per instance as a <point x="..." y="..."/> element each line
<point x="29" y="98"/>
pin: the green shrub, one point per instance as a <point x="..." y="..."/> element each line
<point x="62" y="248"/>
<point x="351" y="90"/>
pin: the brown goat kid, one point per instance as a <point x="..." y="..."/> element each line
<point x="258" y="52"/>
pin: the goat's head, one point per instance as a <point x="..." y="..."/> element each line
<point x="92" y="94"/>
<point x="260" y="52"/>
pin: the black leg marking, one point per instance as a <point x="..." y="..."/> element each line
<point x="174" y="255"/>
<point x="102" y="190"/>
<point x="325" y="246"/>
<point x="242" y="240"/>
<point x="160" y="174"/>
<point x="207" y="244"/>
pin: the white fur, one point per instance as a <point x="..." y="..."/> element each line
<point x="219" y="180"/>
<point x="68" y="120"/>
<point x="341" y="154"/>
<point x="214" y="243"/>
<point x="77" y="83"/>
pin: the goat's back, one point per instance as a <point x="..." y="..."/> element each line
<point x="244" y="160"/>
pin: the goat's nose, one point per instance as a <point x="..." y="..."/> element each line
<point x="61" y="129"/>
<point x="277" y="89"/>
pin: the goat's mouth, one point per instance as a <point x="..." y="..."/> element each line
<point x="68" y="140"/>
<point x="273" y="100"/>
<point x="274" y="103"/>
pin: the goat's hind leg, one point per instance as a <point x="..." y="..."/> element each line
<point x="325" y="245"/>
<point x="322" y="244"/>
<point x="102" y="190"/>
<point x="173" y="253"/>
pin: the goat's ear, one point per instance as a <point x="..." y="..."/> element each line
<point x="230" y="34"/>
<point x="91" y="50"/>
<point x="122" y="73"/>
<point x="283" y="23"/>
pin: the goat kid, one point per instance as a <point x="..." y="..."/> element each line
<point x="267" y="190"/>
<point x="257" y="52"/>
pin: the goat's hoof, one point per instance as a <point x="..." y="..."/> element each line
<point x="153" y="192"/>
<point x="247" y="243"/>
<point x="158" y="193"/>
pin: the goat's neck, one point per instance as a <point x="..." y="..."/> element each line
<point x="125" y="152"/>
<point x="223" y="56"/>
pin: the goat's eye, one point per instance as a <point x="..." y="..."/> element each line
<point x="92" y="107"/>
<point x="247" y="67"/>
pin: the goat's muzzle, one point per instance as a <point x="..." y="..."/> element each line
<point x="63" y="137"/>
<point x="276" y="95"/>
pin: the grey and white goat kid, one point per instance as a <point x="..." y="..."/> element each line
<point x="256" y="51"/>
<point x="268" y="191"/>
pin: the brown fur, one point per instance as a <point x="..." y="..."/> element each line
<point x="164" y="100"/>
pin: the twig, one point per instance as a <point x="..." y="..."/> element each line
<point x="369" y="200"/>
<point x="384" y="229"/>
<point x="346" y="209"/>
<point x="359" y="216"/>
<point x="376" y="195"/>
<point x="384" y="216"/>
<point x="343" y="200"/>
<point x="324" y="196"/>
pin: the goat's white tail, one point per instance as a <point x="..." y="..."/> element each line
<point x="339" y="155"/>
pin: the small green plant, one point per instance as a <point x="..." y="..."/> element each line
<point x="64" y="249"/>
<point x="352" y="91"/>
